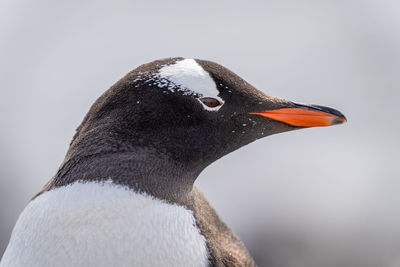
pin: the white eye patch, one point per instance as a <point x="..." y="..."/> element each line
<point x="189" y="77"/>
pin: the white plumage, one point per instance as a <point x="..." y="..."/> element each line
<point x="191" y="78"/>
<point x="103" y="224"/>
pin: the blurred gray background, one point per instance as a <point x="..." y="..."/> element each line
<point x="316" y="197"/>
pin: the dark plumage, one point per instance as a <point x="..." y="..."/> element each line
<point x="158" y="141"/>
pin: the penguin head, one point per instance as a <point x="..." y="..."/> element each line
<point x="191" y="111"/>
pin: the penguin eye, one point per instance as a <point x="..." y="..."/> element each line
<point x="210" y="102"/>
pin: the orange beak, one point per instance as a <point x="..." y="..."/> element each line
<point x="305" y="116"/>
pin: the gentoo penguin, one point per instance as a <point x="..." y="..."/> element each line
<point x="124" y="195"/>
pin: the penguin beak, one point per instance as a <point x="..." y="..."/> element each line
<point x="305" y="115"/>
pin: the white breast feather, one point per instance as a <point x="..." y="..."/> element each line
<point x="103" y="224"/>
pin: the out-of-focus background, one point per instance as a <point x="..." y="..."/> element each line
<point x="317" y="197"/>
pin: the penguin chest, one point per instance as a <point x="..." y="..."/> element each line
<point x="103" y="224"/>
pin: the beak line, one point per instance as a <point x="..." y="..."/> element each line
<point x="305" y="116"/>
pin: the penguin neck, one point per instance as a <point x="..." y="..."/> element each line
<point x="141" y="169"/>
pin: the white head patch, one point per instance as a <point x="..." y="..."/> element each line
<point x="189" y="77"/>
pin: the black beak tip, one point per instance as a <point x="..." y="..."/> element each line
<point x="339" y="119"/>
<point x="329" y="110"/>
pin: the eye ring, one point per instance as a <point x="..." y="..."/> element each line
<point x="210" y="102"/>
